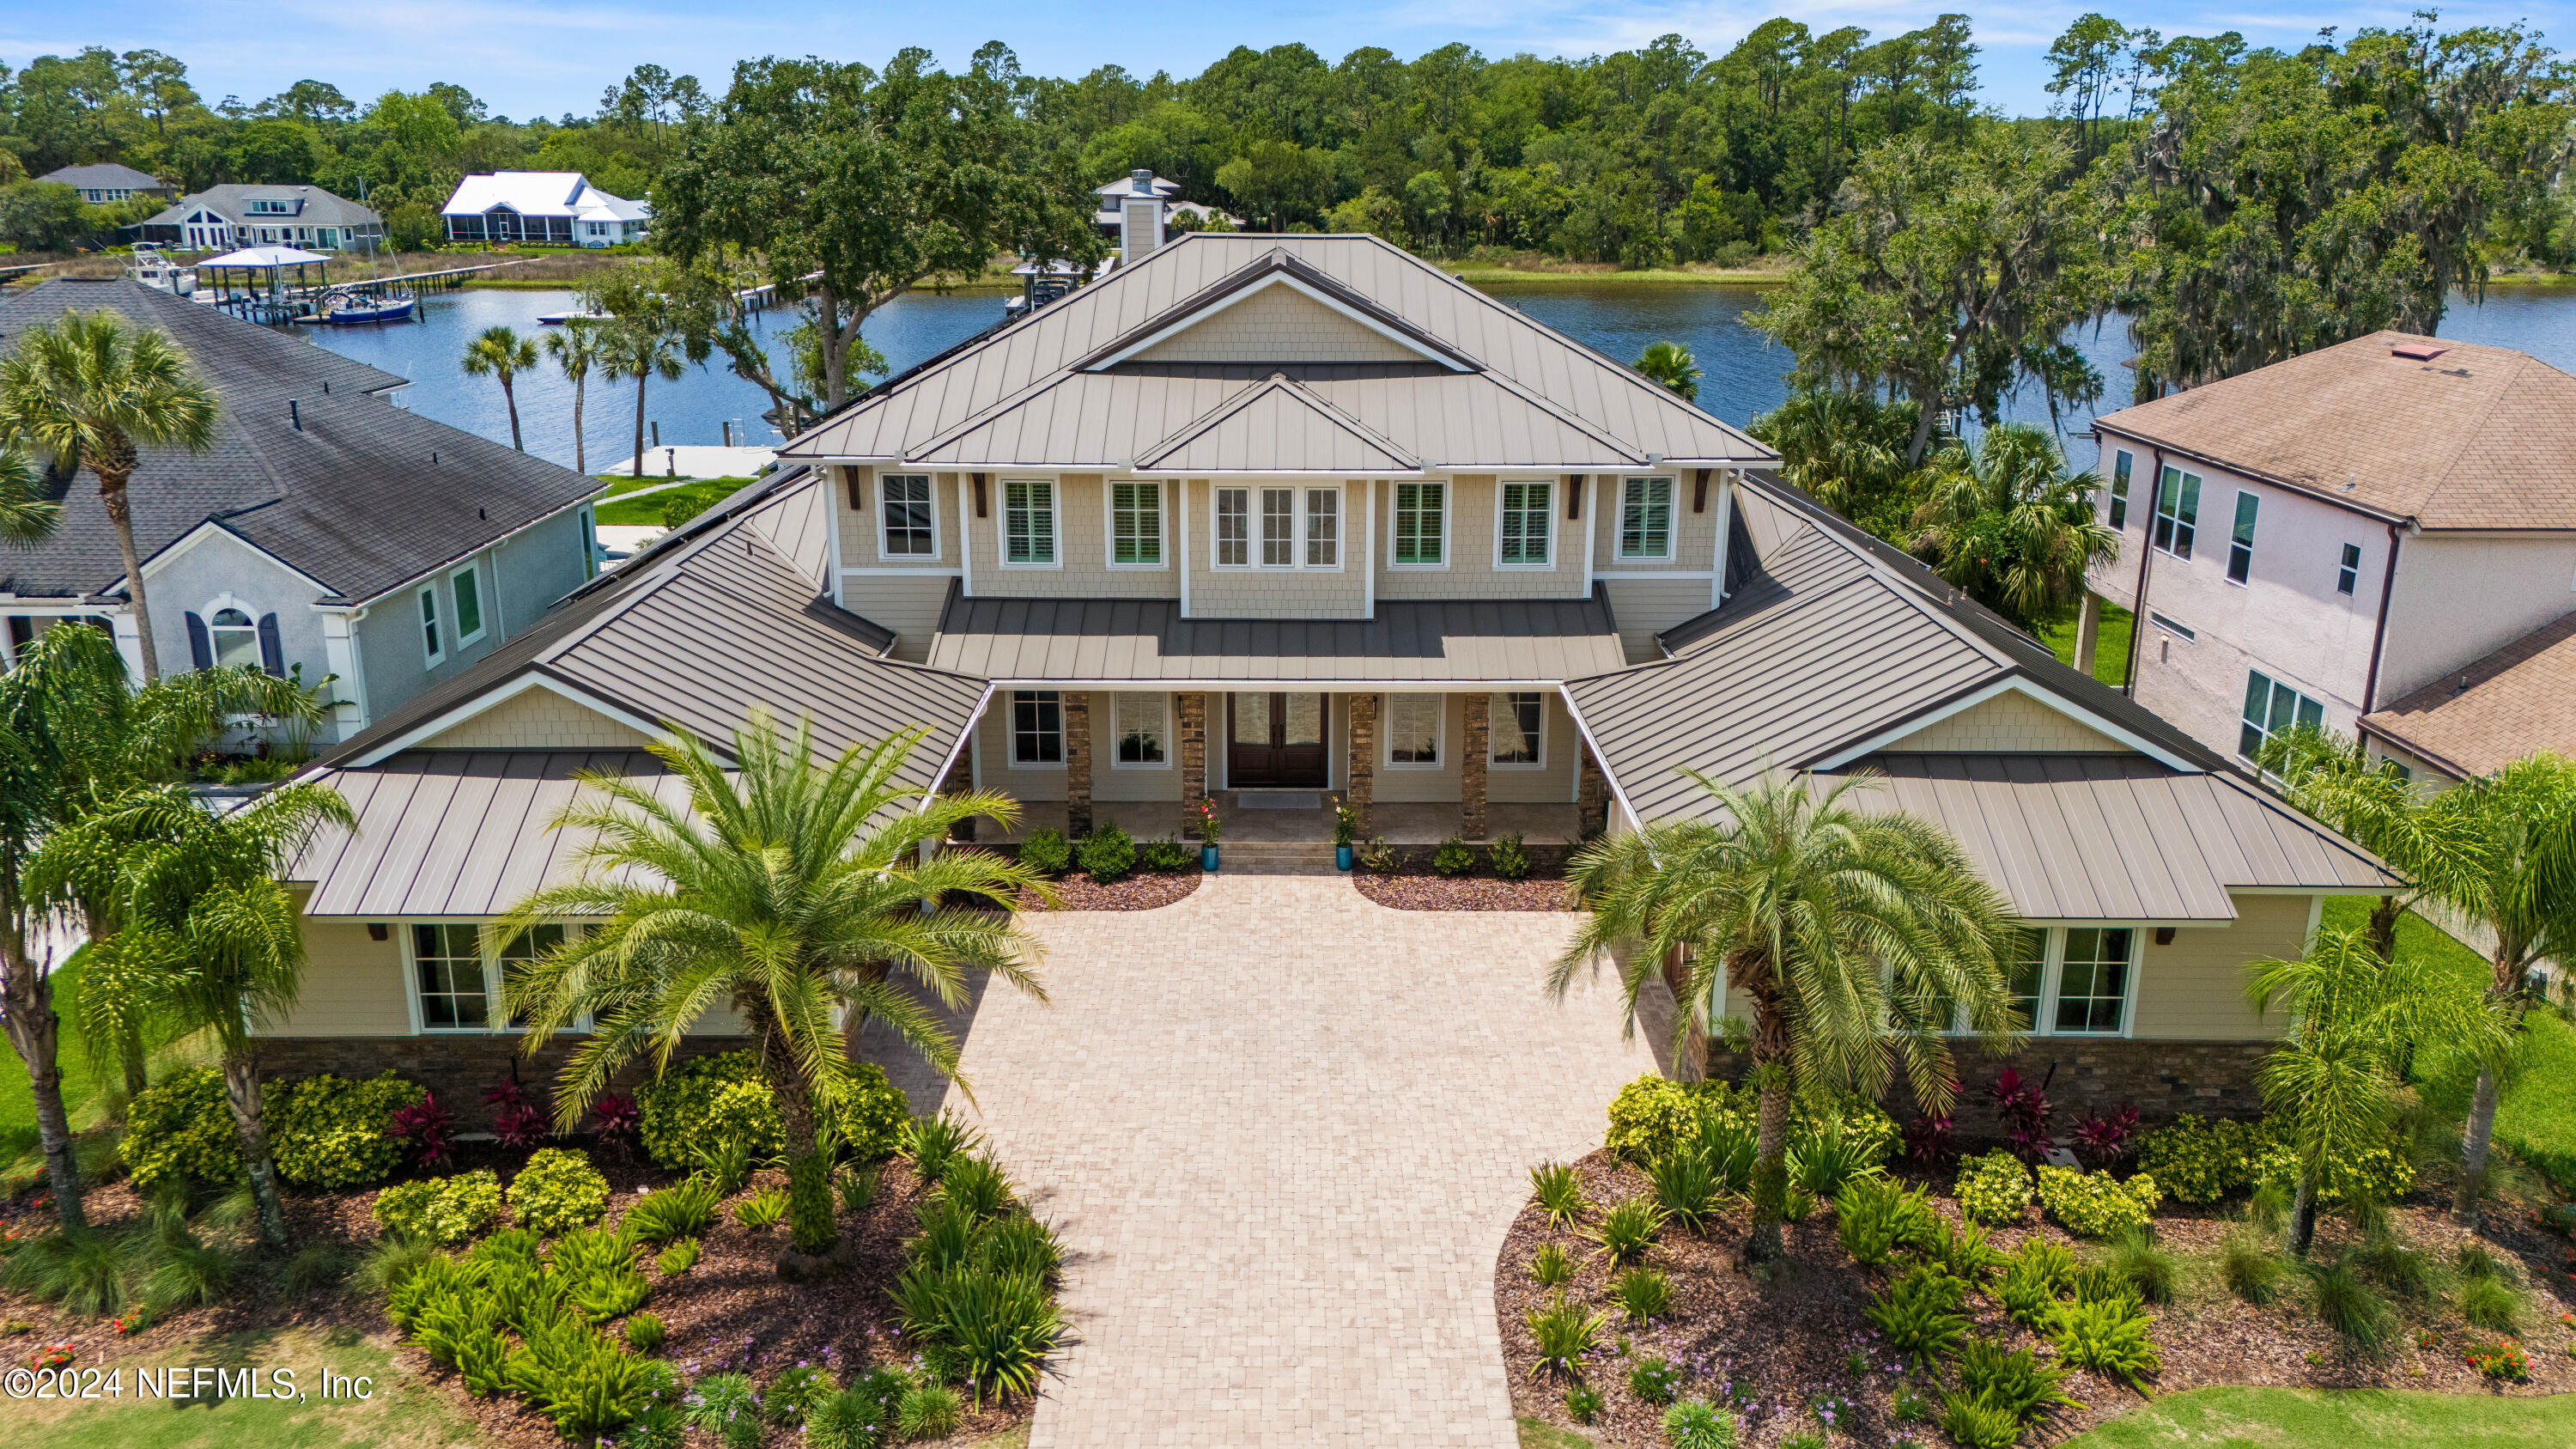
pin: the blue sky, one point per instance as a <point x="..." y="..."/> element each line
<point x="530" y="57"/>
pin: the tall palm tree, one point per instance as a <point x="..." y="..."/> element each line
<point x="639" y="346"/>
<point x="1670" y="365"/>
<point x="574" y="349"/>
<point x="502" y="353"/>
<point x="2331" y="1083"/>
<point x="95" y="390"/>
<point x="208" y="936"/>
<point x="1860" y="939"/>
<point x="27" y="518"/>
<point x="2009" y="525"/>
<point x="794" y="892"/>
<point x="1844" y="449"/>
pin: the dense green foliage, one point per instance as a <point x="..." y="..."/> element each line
<point x="556" y="1191"/>
<point x="329" y="1131"/>
<point x="2095" y="1204"/>
<point x="1994" y="1188"/>
<point x="441" y="1209"/>
<point x="723" y="1098"/>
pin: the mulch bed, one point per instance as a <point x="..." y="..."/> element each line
<point x="1139" y="892"/>
<point x="1781" y="1340"/>
<point x="729" y="1312"/>
<point x="1419" y="888"/>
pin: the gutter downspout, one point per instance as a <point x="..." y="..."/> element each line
<point x="2146" y="557"/>
<point x="2379" y="634"/>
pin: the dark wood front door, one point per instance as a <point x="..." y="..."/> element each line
<point x="1277" y="741"/>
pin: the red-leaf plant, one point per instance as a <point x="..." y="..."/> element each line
<point x="2025" y="1110"/>
<point x="426" y="1126"/>
<point x="2102" y="1138"/>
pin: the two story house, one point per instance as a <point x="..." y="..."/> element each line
<point x="327" y="533"/>
<point x="105" y="183"/>
<point x="1259" y="518"/>
<point x="2315" y="541"/>
<point x="548" y="208"/>
<point x="245" y="214"/>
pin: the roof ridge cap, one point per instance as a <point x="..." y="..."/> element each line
<point x="1346" y="420"/>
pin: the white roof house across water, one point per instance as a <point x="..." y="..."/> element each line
<point x="561" y="207"/>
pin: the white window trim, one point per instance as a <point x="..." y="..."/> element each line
<point x="1538" y="764"/>
<point x="1055" y="522"/>
<point x="215" y="606"/>
<point x="496" y="1020"/>
<point x="1448" y="509"/>
<point x="1165" y="703"/>
<point x="1547" y="516"/>
<point x="1109" y="525"/>
<point x="1619" y="519"/>
<point x="432" y="624"/>
<point x="1297" y="491"/>
<point x="1011" y="734"/>
<point x="1439" y="733"/>
<point x="2052" y="976"/>
<point x="482" y="606"/>
<point x="1341" y="526"/>
<point x="938" y="530"/>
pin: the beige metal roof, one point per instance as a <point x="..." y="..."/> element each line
<point x="2470" y="437"/>
<point x="1276" y="425"/>
<point x="2474" y="721"/>
<point x="2114" y="837"/>
<point x="1146" y="639"/>
<point x="1531" y="397"/>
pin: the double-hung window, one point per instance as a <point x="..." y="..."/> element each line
<point x="1323" y="528"/>
<point x="433" y="644"/>
<point x="2072" y="981"/>
<point x="2240" y="540"/>
<point x="910" y="526"/>
<point x="1233" y="528"/>
<point x="1514" y="725"/>
<point x="1139" y="725"/>
<point x="1413" y="730"/>
<point x="2273" y="708"/>
<point x="2348" y="571"/>
<point x="1646" y="518"/>
<point x="1421" y="524"/>
<point x="1136" y="525"/>
<point x="1028" y="522"/>
<point x="2121" y="463"/>
<point x="1037" y="727"/>
<point x="469" y="604"/>
<point x="448" y="957"/>
<point x="1525" y="523"/>
<point x="235" y="638"/>
<point x="1278" y="527"/>
<point x="2177" y="511"/>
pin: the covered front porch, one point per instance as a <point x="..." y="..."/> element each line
<point x="1263" y="817"/>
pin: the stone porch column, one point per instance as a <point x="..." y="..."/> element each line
<point x="1077" y="763"/>
<point x="1193" y="708"/>
<point x="1591" y="808"/>
<point x="2088" y="632"/>
<point x="1471" y="769"/>
<point x="1361" y="788"/>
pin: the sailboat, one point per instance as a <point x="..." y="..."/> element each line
<point x="349" y="309"/>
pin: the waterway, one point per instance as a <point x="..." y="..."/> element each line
<point x="1743" y="369"/>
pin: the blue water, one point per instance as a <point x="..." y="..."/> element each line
<point x="1742" y="368"/>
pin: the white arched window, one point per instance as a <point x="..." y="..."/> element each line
<point x="235" y="637"/>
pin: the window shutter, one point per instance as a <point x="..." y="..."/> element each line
<point x="272" y="654"/>
<point x="201" y="645"/>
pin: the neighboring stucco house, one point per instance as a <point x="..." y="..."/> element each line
<point x="1259" y="518"/>
<point x="1142" y="185"/>
<point x="244" y="214"/>
<point x="2310" y="542"/>
<point x="549" y="208"/>
<point x="327" y="532"/>
<point x="106" y="183"/>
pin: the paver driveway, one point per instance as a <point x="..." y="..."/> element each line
<point x="1282" y="1132"/>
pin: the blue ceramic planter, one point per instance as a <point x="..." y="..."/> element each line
<point x="1341" y="857"/>
<point x="1207" y="858"/>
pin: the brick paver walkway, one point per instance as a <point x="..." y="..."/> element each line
<point x="1282" y="1132"/>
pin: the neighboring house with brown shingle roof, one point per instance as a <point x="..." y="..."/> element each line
<point x="2515" y="702"/>
<point x="2309" y="541"/>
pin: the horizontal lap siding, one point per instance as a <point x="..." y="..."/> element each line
<point x="2194" y="989"/>
<point x="909" y="604"/>
<point x="353" y="986"/>
<point x="1647" y="607"/>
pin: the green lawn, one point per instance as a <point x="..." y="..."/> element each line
<point x="653" y="508"/>
<point x="402" y="1413"/>
<point x="2110" y="644"/>
<point x="627" y="483"/>
<point x="80" y="1086"/>
<point x="2338" y="1419"/>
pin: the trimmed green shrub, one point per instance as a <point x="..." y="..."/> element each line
<point x="1506" y="859"/>
<point x="672" y="1212"/>
<point x="723" y="1098"/>
<point x="1994" y="1188"/>
<point x="329" y="1131"/>
<point x="2107" y="1336"/>
<point x="2200" y="1159"/>
<point x="442" y="1209"/>
<point x="2096" y="1204"/>
<point x="1919" y="1312"/>
<point x="1698" y="1424"/>
<point x="558" y="1189"/>
<point x="1168" y="856"/>
<point x="1652" y="1113"/>
<point x="1454" y="857"/>
<point x="1047" y="852"/>
<point x="1108" y="855"/>
<point x="182" y="1124"/>
<point x="2377" y="1173"/>
<point x="1644" y="1293"/>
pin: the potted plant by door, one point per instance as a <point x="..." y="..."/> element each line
<point x="1346" y="826"/>
<point x="1203" y="816"/>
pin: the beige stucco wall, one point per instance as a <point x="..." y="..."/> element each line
<point x="2011" y="722"/>
<point x="2194" y="989"/>
<point x="1277" y="593"/>
<point x="2458" y="599"/>
<point x="352" y="986"/>
<point x="1475" y="503"/>
<point x="1278" y="324"/>
<point x="538" y="719"/>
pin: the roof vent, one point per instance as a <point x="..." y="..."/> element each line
<point x="2418" y="351"/>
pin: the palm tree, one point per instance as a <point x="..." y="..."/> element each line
<point x="574" y="350"/>
<point x="502" y="353"/>
<point x="209" y="937"/>
<point x="2332" y="778"/>
<point x="26" y="517"/>
<point x="2009" y="526"/>
<point x="1671" y="365"/>
<point x="1842" y="448"/>
<point x="796" y="894"/>
<point x="638" y="346"/>
<point x="92" y="389"/>
<point x="1860" y="938"/>
<point x="2330" y="1084"/>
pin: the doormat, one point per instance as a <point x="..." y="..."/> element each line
<point x="1280" y="800"/>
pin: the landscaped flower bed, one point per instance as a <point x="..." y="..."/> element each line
<point x="1824" y="1345"/>
<point x="1108" y="870"/>
<point x="1457" y="876"/>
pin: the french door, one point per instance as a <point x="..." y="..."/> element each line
<point x="1277" y="741"/>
